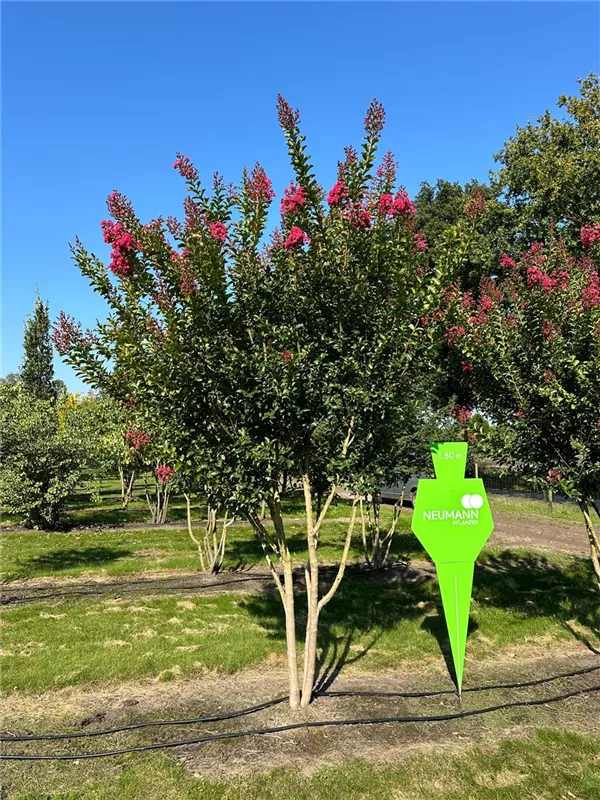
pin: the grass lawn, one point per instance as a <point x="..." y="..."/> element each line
<point x="517" y="598"/>
<point x="548" y="765"/>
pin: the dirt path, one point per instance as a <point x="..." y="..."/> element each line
<point x="539" y="533"/>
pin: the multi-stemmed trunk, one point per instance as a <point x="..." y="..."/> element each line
<point x="377" y="545"/>
<point x="276" y="549"/>
<point x="159" y="503"/>
<point x="126" y="487"/>
<point x="211" y="548"/>
<point x="593" y="538"/>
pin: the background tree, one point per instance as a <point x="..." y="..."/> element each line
<point x="549" y="171"/>
<point x="257" y="361"/>
<point x="532" y="343"/>
<point x="46" y="446"/>
<point x="37" y="371"/>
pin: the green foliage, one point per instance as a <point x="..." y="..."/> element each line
<point x="533" y="342"/>
<point x="256" y="362"/>
<point x="37" y="371"/>
<point x="550" y="171"/>
<point x="45" y="446"/>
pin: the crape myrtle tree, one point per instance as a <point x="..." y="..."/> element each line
<point x="248" y="356"/>
<point x="531" y="344"/>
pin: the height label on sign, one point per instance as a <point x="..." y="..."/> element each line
<point x="452" y="520"/>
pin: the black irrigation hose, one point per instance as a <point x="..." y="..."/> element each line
<point x="136" y="725"/>
<point x="296" y="726"/>
<point x="279" y="700"/>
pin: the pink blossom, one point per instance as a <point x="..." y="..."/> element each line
<point x="421" y="241"/>
<point x="402" y="205"/>
<point x="294" y="198"/>
<point x="288" y="118"/>
<point x="164" y="473"/>
<point x="536" y="247"/>
<point x="590" y="234"/>
<point x="519" y="414"/>
<point x="385" y="203"/>
<point x="554" y="476"/>
<point x="337" y="194"/>
<point x="466" y="366"/>
<point x="506" y="262"/>
<point x="454" y="334"/>
<point x="218" y="231"/>
<point x="123" y="247"/>
<point x="185" y="167"/>
<point x="359" y="216"/>
<point x="66" y="333"/>
<point x="375" y="118"/>
<point x="591" y="293"/>
<point x="286" y="356"/>
<point x="174" y="227"/>
<point x="138" y="438"/>
<point x="296" y="238"/>
<point x="461" y="414"/>
<point x="259" y="185"/>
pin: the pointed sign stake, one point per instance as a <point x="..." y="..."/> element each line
<point x="452" y="520"/>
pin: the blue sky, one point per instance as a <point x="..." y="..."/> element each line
<point x="98" y="96"/>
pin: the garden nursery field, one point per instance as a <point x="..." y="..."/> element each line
<point x="311" y="507"/>
<point x="112" y="634"/>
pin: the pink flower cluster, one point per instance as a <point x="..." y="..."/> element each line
<point x="123" y="247"/>
<point x="359" y="216"/>
<point x="398" y="206"/>
<point x="185" y="168"/>
<point x="138" y="438"/>
<point x="590" y="234"/>
<point x="118" y="205"/>
<point x="286" y="356"/>
<point x="296" y="238"/>
<point x="454" y="334"/>
<point x="259" y="185"/>
<point x="476" y="205"/>
<point x="337" y="194"/>
<point x="421" y="241"/>
<point x="548" y="330"/>
<point x="554" y="475"/>
<point x="66" y="333"/>
<point x="466" y="366"/>
<point x="591" y="293"/>
<point x="506" y="262"/>
<point x="293" y="200"/>
<point x="375" y="118"/>
<point x="164" y="473"/>
<point x="557" y="279"/>
<point x="218" y="231"/>
<point x="174" y="227"/>
<point x="461" y="414"/>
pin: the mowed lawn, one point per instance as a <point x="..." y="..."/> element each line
<point x="549" y="765"/>
<point x="518" y="598"/>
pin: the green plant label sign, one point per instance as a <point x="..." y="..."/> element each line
<point x="452" y="520"/>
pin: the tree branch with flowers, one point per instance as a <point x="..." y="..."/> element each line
<point x="532" y="342"/>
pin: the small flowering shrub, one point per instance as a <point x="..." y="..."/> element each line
<point x="531" y="344"/>
<point x="257" y="355"/>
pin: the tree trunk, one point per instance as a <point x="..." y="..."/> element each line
<point x="592" y="536"/>
<point x="287" y="596"/>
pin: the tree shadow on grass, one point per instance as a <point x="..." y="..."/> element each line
<point x="533" y="585"/>
<point x="364" y="604"/>
<point x="373" y="603"/>
<point x="69" y="558"/>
